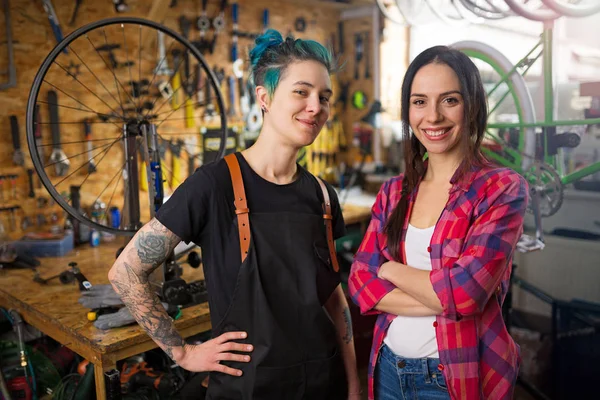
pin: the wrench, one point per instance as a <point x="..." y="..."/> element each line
<point x="58" y="156"/>
<point x="162" y="68"/>
<point x="87" y="128"/>
<point x="18" y="158"/>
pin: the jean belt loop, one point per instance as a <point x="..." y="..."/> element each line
<point x="426" y="371"/>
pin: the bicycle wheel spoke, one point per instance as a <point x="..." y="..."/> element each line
<point x="78" y="142"/>
<point x="97" y="163"/>
<point x="176" y="90"/>
<point x="68" y="95"/>
<point x="77" y="155"/>
<point x="198" y="103"/>
<point x="84" y="164"/>
<point x="93" y="74"/>
<point x="82" y="84"/>
<point x="74" y="108"/>
<point x="118" y="173"/>
<point x="128" y="66"/>
<point x="154" y="75"/>
<point x="169" y="81"/>
<point x="140" y="67"/>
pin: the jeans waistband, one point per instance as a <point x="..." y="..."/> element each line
<point x="405" y="365"/>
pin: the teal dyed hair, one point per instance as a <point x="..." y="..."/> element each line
<point x="271" y="56"/>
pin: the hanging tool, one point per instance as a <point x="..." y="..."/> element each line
<point x="300" y="24"/>
<point x="58" y="156"/>
<point x="203" y="25"/>
<point x="162" y="66"/>
<point x="2" y="177"/>
<point x="87" y="129"/>
<point x="265" y="19"/>
<point x="199" y="86"/>
<point x="175" y="147"/>
<point x="143" y="171"/>
<point x="367" y="66"/>
<point x="188" y="86"/>
<point x="49" y="8"/>
<point x="238" y="71"/>
<point x="218" y="25"/>
<point x="231" y="88"/>
<point x="37" y="133"/>
<point x="30" y="177"/>
<point x="109" y="49"/>
<point x="341" y="37"/>
<point x="13" y="186"/>
<point x="234" y="38"/>
<point x="358" y="54"/>
<point x="18" y="158"/>
<point x="120" y="6"/>
<point x="11" y="70"/>
<point x="176" y="81"/>
<point x="75" y="11"/>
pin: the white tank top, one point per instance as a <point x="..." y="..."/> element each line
<point x="414" y="337"/>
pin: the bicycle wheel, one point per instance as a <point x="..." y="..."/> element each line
<point x="532" y="10"/>
<point x="117" y="90"/>
<point x="518" y="107"/>
<point x="583" y="8"/>
<point x="485" y="9"/>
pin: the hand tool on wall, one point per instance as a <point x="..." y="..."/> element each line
<point x="49" y="8"/>
<point x="87" y="129"/>
<point x="366" y="51"/>
<point x="17" y="158"/>
<point x="358" y="54"/>
<point x="58" y="156"/>
<point x="199" y="89"/>
<point x="188" y="85"/>
<point x="340" y="35"/>
<point x="175" y="147"/>
<point x="218" y="25"/>
<point x="30" y="177"/>
<point x="13" y="186"/>
<point x="234" y="37"/>
<point x="11" y="71"/>
<point x="120" y="6"/>
<point x="265" y="19"/>
<point x="143" y="170"/>
<point x="2" y="177"/>
<point x="176" y="81"/>
<point x="109" y="49"/>
<point x="238" y="71"/>
<point x="75" y="12"/>
<point x="231" y="88"/>
<point x="162" y="64"/>
<point x="203" y="24"/>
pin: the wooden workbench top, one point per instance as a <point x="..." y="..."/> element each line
<point x="53" y="307"/>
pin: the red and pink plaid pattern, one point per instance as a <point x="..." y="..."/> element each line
<point x="471" y="253"/>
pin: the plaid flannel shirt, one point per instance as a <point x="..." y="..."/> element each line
<point x="471" y="252"/>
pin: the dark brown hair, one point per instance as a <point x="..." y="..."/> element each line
<point x="475" y="118"/>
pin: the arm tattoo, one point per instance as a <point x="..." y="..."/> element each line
<point x="348" y="320"/>
<point x="132" y="285"/>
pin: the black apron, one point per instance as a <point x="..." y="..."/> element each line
<point x="277" y="302"/>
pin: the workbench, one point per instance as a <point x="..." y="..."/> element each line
<point x="53" y="309"/>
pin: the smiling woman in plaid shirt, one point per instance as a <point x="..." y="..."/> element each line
<point x="436" y="259"/>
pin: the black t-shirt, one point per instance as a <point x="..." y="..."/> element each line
<point x="202" y="211"/>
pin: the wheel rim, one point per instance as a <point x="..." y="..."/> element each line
<point x="517" y="89"/>
<point x="535" y="15"/>
<point x="125" y="96"/>
<point x="573" y="10"/>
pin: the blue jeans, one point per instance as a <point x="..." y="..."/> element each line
<point x="399" y="378"/>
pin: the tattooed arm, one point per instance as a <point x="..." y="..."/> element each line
<point x="337" y="308"/>
<point x="130" y="278"/>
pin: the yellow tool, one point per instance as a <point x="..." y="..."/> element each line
<point x="176" y="81"/>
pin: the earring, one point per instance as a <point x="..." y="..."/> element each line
<point x="263" y="108"/>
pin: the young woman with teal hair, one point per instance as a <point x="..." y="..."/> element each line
<point x="281" y="324"/>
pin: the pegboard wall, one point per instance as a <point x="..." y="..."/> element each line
<point x="33" y="40"/>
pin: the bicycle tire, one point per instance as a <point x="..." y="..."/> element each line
<point x="572" y="10"/>
<point x="537" y="15"/>
<point x="34" y="93"/>
<point x="519" y="91"/>
<point x="482" y="12"/>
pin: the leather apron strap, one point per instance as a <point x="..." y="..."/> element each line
<point x="241" y="210"/>
<point x="241" y="206"/>
<point x="328" y="217"/>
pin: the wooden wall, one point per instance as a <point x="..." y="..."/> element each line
<point x="33" y="40"/>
